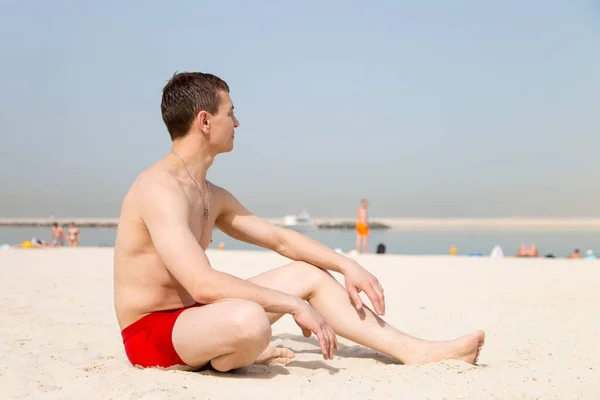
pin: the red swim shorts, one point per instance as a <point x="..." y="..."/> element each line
<point x="148" y="341"/>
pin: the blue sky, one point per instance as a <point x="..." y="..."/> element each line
<point x="429" y="109"/>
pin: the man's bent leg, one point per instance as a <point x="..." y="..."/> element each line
<point x="331" y="299"/>
<point x="229" y="334"/>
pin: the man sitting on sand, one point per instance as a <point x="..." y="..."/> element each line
<point x="176" y="311"/>
<point x="575" y="254"/>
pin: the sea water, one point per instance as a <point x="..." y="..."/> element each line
<point x="558" y="243"/>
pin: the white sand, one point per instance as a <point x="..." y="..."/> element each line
<point x="59" y="338"/>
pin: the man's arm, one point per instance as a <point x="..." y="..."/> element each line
<point x="165" y="211"/>
<point x="239" y="223"/>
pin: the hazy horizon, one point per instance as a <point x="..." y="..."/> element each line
<point x="442" y="109"/>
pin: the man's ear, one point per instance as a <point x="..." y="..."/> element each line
<point x="203" y="121"/>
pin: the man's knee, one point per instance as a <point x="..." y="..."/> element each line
<point x="251" y="323"/>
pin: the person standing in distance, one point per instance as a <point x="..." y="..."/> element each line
<point x="362" y="227"/>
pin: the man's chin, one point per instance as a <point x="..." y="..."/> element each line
<point x="226" y="149"/>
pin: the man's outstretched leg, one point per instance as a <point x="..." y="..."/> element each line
<point x="331" y="300"/>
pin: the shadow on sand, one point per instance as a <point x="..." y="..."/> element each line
<point x="251" y="372"/>
<point x="270" y="372"/>
<point x="343" y="351"/>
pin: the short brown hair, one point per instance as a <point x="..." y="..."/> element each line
<point x="185" y="95"/>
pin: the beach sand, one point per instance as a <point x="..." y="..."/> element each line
<point x="59" y="338"/>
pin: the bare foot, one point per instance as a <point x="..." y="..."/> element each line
<point x="275" y="355"/>
<point x="466" y="348"/>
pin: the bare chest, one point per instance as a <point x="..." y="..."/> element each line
<point x="203" y="213"/>
<point x="201" y="226"/>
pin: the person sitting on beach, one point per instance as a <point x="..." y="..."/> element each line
<point x="58" y="235"/>
<point x="525" y="251"/>
<point x="575" y="254"/>
<point x="175" y="311"/>
<point x="74" y="235"/>
<point x="533" y="251"/>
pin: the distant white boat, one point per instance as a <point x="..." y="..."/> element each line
<point x="300" y="222"/>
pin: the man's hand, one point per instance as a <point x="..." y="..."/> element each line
<point x="358" y="280"/>
<point x="311" y="321"/>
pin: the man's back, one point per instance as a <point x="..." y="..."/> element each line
<point x="142" y="282"/>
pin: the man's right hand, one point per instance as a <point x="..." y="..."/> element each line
<point x="311" y="321"/>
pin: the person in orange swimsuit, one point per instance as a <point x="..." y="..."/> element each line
<point x="362" y="227"/>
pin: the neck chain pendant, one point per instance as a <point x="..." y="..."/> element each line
<point x="206" y="213"/>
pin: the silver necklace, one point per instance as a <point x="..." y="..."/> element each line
<point x="206" y="207"/>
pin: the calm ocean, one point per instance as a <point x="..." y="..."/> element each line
<point x="558" y="243"/>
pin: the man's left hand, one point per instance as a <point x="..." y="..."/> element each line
<point x="358" y="280"/>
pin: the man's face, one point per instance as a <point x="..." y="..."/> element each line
<point x="222" y="125"/>
<point x="365" y="204"/>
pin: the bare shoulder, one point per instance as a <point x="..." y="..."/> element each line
<point x="155" y="189"/>
<point x="225" y="202"/>
<point x="220" y="193"/>
<point x="155" y="178"/>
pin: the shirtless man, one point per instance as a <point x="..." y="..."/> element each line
<point x="576" y="254"/>
<point x="58" y="235"/>
<point x="176" y="311"/>
<point x="362" y="227"/>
